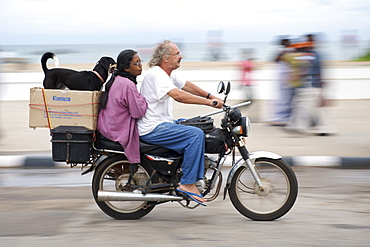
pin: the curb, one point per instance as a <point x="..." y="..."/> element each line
<point x="328" y="161"/>
<point x="27" y="161"/>
<point x="45" y="161"/>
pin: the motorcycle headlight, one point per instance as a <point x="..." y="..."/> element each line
<point x="242" y="127"/>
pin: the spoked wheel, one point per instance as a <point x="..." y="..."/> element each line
<point x="112" y="175"/>
<point x="274" y="199"/>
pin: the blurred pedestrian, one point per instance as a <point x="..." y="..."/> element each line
<point x="282" y="108"/>
<point x="246" y="67"/>
<point x="321" y="123"/>
<point x="305" y="77"/>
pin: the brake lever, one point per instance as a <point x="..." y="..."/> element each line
<point x="225" y="107"/>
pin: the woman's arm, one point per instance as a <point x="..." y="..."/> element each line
<point x="136" y="103"/>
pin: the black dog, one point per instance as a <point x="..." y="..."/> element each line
<point x="59" y="78"/>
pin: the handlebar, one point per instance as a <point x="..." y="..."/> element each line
<point x="225" y="107"/>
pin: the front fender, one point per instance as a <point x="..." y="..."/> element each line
<point x="252" y="157"/>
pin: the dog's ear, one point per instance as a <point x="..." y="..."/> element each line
<point x="112" y="67"/>
<point x="106" y="62"/>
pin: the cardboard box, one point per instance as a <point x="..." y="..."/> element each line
<point x="64" y="108"/>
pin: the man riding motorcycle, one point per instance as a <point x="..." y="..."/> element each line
<point x="160" y="85"/>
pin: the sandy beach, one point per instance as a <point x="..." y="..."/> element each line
<point x="36" y="67"/>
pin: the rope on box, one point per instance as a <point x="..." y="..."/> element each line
<point x="59" y="112"/>
<point x="94" y="103"/>
<point x="46" y="109"/>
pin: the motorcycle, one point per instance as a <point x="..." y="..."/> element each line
<point x="261" y="185"/>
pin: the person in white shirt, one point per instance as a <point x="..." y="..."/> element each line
<point x="160" y="87"/>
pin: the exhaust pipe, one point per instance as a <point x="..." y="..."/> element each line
<point x="131" y="196"/>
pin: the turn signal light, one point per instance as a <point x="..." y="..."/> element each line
<point x="238" y="130"/>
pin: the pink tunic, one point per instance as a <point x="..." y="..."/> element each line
<point x="118" y="121"/>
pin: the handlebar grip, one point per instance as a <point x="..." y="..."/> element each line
<point x="215" y="103"/>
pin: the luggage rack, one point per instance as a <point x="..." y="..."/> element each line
<point x="94" y="158"/>
<point x="104" y="150"/>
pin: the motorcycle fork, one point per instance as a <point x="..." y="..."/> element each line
<point x="251" y="166"/>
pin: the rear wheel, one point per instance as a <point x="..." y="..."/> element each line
<point x="275" y="199"/>
<point x="112" y="175"/>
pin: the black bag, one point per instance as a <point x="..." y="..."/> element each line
<point x="215" y="141"/>
<point x="204" y="123"/>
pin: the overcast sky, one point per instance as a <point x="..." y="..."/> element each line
<point x="145" y="21"/>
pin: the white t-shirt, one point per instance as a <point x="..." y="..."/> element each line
<point x="154" y="88"/>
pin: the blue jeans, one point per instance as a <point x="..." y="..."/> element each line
<point x="186" y="140"/>
<point x="283" y="109"/>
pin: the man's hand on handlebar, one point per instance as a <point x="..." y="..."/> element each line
<point x="216" y="103"/>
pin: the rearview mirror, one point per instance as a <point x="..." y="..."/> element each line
<point x="221" y="87"/>
<point x="227" y="88"/>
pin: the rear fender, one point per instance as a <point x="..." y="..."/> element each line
<point x="101" y="159"/>
<point x="94" y="165"/>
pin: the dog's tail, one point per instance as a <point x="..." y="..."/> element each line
<point x="45" y="58"/>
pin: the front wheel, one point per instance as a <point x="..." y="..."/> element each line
<point x="112" y="175"/>
<point x="275" y="199"/>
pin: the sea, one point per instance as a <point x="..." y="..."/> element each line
<point x="191" y="52"/>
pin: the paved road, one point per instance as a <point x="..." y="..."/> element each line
<point x="55" y="208"/>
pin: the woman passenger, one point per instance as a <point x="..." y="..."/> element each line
<point x="121" y="105"/>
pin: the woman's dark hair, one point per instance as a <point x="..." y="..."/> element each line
<point x="123" y="62"/>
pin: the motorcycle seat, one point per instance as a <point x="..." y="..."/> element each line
<point x="104" y="143"/>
